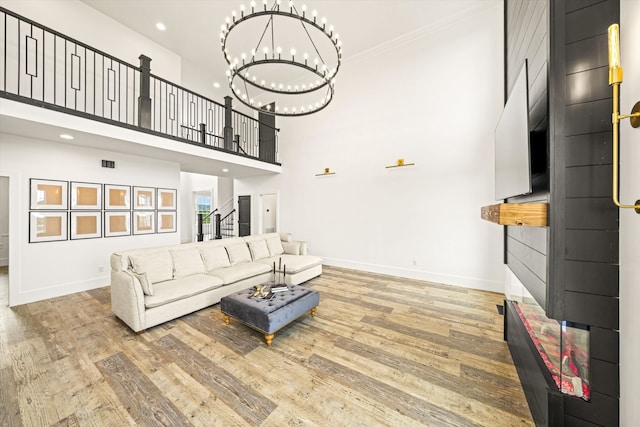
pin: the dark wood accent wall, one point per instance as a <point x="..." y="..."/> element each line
<point x="584" y="227"/>
<point x="527" y="37"/>
<point x="571" y="267"/>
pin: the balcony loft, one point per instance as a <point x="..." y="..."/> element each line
<point x="52" y="84"/>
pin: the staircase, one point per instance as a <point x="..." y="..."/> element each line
<point x="213" y="225"/>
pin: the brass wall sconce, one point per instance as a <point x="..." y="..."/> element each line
<point x="327" y="171"/>
<point x="400" y="164"/>
<point x="615" y="78"/>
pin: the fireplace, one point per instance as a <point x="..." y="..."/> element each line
<point x="563" y="348"/>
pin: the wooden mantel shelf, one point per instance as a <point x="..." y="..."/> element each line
<point x="527" y="214"/>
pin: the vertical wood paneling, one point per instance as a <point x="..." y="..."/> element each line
<point x="526" y="37"/>
<point x="589" y="250"/>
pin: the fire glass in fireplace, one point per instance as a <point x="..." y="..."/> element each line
<point x="563" y="347"/>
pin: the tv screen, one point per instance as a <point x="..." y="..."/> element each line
<point x="512" y="149"/>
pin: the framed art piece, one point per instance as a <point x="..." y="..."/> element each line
<point x="144" y="198"/>
<point x="144" y="222"/>
<point x="117" y="197"/>
<point x="117" y="224"/>
<point x="86" y="196"/>
<point x="86" y="225"/>
<point x="48" y="194"/>
<point x="166" y="199"/>
<point x="167" y="222"/>
<point x="47" y="226"/>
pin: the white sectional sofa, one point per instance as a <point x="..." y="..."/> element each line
<point x="151" y="286"/>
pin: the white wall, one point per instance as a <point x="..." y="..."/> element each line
<point x="269" y="213"/>
<point x="4" y="220"/>
<point x="75" y="19"/>
<point x="433" y="99"/>
<point x="45" y="270"/>
<point x="629" y="220"/>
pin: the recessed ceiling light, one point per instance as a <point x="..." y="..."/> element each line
<point x="225" y="170"/>
<point x="66" y="136"/>
<point x="161" y="26"/>
<point x="216" y="85"/>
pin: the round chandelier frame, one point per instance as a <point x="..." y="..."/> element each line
<point x="242" y="75"/>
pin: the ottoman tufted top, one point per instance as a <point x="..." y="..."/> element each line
<point x="269" y="315"/>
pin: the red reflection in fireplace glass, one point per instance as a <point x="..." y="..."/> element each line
<point x="563" y="347"/>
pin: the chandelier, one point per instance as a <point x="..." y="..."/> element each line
<point x="281" y="61"/>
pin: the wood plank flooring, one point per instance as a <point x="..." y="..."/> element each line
<point x="381" y="351"/>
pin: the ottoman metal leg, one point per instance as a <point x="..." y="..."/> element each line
<point x="313" y="311"/>
<point x="226" y="318"/>
<point x="269" y="338"/>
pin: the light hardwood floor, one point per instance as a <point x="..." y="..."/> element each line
<point x="381" y="351"/>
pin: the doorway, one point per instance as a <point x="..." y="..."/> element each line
<point x="268" y="213"/>
<point x="202" y="202"/>
<point x="4" y="240"/>
<point x="244" y="216"/>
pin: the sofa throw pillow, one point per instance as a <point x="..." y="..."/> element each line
<point x="259" y="249"/>
<point x="187" y="263"/>
<point x="215" y="257"/>
<point x="275" y="246"/>
<point x="147" y="288"/>
<point x="238" y="253"/>
<point x="157" y="265"/>
<point x="292" y="248"/>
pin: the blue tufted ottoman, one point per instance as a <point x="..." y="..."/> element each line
<point x="269" y="316"/>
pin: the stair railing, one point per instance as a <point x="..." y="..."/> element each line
<point x="224" y="225"/>
<point x="204" y="227"/>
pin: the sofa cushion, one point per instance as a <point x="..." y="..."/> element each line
<point x="293" y="263"/>
<point x="292" y="248"/>
<point x="173" y="290"/>
<point x="147" y="287"/>
<point x="158" y="265"/>
<point x="187" y="262"/>
<point x="275" y="246"/>
<point x="239" y="272"/>
<point x="215" y="257"/>
<point x="238" y="253"/>
<point x="259" y="249"/>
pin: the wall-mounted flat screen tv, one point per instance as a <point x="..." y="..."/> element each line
<point x="512" y="148"/>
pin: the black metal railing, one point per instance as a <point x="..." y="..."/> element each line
<point x="225" y="226"/>
<point x="214" y="226"/>
<point x="206" y="225"/>
<point x="43" y="67"/>
<point x="179" y="112"/>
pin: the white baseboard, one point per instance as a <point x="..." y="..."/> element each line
<point x="59" y="290"/>
<point x="446" y="279"/>
<point x="4" y="262"/>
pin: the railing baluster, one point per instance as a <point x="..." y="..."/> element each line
<point x="186" y="115"/>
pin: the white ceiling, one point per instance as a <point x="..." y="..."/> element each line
<point x="193" y="26"/>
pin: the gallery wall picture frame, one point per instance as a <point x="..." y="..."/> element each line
<point x="85" y="225"/>
<point x="86" y="196"/>
<point x="144" y="198"/>
<point x="117" y="197"/>
<point x="144" y="222"/>
<point x="117" y="223"/>
<point x="167" y="222"/>
<point x="48" y="194"/>
<point x="47" y="226"/>
<point x="166" y="199"/>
